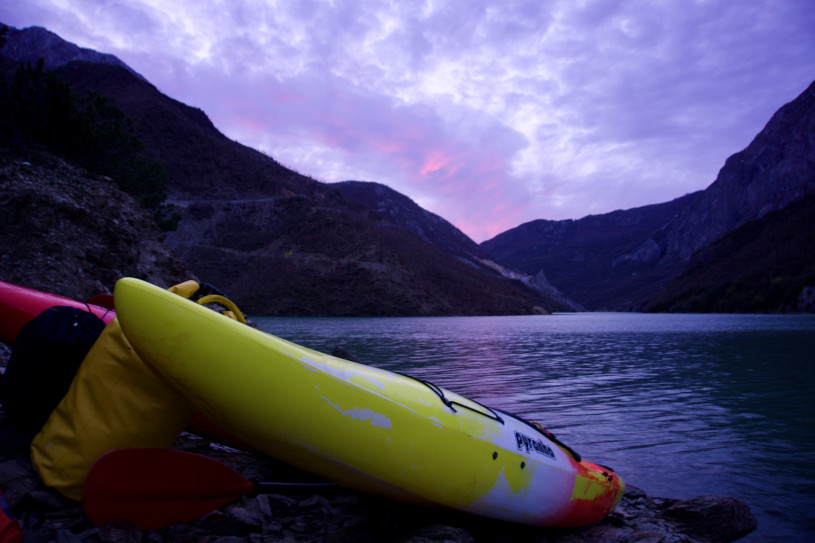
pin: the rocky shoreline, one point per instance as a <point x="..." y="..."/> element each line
<point x="335" y="514"/>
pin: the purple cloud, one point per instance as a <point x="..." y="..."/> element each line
<point x="488" y="114"/>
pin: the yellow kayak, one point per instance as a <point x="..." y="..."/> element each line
<point x="359" y="426"/>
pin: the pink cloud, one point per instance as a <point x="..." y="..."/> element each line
<point x="434" y="162"/>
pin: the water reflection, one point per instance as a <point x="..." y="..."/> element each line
<point x="680" y="405"/>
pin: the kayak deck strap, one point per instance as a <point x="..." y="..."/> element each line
<point x="493" y="414"/>
<point x="488" y="412"/>
<point x="103" y="315"/>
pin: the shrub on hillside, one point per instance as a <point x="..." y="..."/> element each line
<point x="38" y="109"/>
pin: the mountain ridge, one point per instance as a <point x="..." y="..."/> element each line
<point x="630" y="268"/>
<point x="282" y="243"/>
<point x="598" y="261"/>
<point x="774" y="170"/>
<point x="400" y="211"/>
<point x="35" y="42"/>
<point x="241" y="212"/>
<point x="734" y="274"/>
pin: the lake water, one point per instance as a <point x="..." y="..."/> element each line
<point x="678" y="405"/>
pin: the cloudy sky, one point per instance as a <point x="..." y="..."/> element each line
<point x="488" y="113"/>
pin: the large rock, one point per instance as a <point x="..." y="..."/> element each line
<point x="70" y="233"/>
<point x="716" y="518"/>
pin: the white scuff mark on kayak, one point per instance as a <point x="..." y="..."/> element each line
<point x="542" y="496"/>
<point x="345" y="376"/>
<point x="311" y="365"/>
<point x="500" y="499"/>
<point x="346" y="373"/>
<point x="436" y="422"/>
<point x="377" y="419"/>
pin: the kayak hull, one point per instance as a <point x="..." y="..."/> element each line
<point x="19" y="305"/>
<point x="362" y="427"/>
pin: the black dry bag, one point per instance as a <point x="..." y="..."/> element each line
<point x="44" y="360"/>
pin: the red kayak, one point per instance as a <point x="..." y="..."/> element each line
<point x="19" y="305"/>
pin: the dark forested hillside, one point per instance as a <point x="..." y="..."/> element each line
<point x="279" y="242"/>
<point x="39" y="109"/>
<point x="201" y="161"/>
<point x="400" y="211"/>
<point x="600" y="261"/>
<point x="763" y="266"/>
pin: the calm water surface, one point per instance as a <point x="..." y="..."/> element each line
<point x="679" y="405"/>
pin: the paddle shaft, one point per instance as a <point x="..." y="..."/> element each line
<point x="269" y="487"/>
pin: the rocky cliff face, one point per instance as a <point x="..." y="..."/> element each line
<point x="599" y="261"/>
<point x="71" y="234"/>
<point x="620" y="260"/>
<point x="776" y="169"/>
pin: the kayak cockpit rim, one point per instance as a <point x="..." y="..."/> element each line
<point x="494" y="415"/>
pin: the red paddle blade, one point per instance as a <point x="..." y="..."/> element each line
<point x="102" y="300"/>
<point x="156" y="487"/>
